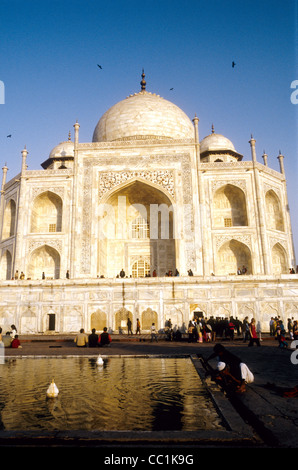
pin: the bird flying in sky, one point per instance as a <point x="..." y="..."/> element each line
<point x="99" y="66"/>
<point x="233" y="64"/>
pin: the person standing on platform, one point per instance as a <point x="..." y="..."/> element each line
<point x="253" y="334"/>
<point x="153" y="333"/>
<point x="129" y="330"/>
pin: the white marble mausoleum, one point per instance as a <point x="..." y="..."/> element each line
<point x="147" y="196"/>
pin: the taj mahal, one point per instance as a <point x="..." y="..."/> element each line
<point x="147" y="220"/>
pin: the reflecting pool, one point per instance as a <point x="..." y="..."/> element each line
<point x="124" y="394"/>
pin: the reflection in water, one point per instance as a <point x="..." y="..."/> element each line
<point x="140" y="394"/>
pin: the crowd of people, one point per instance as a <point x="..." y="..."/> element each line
<point x="199" y="330"/>
<point x="207" y="330"/>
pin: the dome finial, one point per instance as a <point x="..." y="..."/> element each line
<point x="143" y="82"/>
<point x="212" y="129"/>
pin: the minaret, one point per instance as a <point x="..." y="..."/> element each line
<point x="265" y="158"/>
<point x="281" y="163"/>
<point x="201" y="200"/>
<point x="76" y="128"/>
<point x="287" y="214"/>
<point x="4" y="174"/>
<point x="24" y="158"/>
<point x="196" y="124"/>
<point x="253" y="149"/>
<point x="260" y="208"/>
<point x="75" y="195"/>
<point x="21" y="216"/>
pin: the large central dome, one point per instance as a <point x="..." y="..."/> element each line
<point x="143" y="115"/>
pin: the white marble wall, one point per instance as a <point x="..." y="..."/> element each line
<point x="28" y="304"/>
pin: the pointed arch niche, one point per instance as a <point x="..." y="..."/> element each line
<point x="231" y="256"/>
<point x="46" y="213"/>
<point x="9" y="219"/>
<point x="279" y="260"/>
<point x="274" y="218"/>
<point x="229" y="207"/>
<point x="44" y="259"/>
<point x="98" y="320"/>
<point x="6" y="265"/>
<point x="136" y="223"/>
<point x="121" y="317"/>
<point x="148" y="317"/>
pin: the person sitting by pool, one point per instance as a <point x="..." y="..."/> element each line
<point x="81" y="339"/>
<point x="104" y="339"/>
<point x="16" y="342"/>
<point x="93" y="339"/>
<point x="233" y="362"/>
<point x="7" y="339"/>
<point x="231" y="381"/>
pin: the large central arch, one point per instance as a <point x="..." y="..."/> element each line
<point x="136" y="225"/>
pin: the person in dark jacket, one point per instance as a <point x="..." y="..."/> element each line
<point x="93" y="339"/>
<point x="104" y="339"/>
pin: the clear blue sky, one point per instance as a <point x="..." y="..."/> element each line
<point x="49" y="51"/>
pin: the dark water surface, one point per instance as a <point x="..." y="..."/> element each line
<point x="125" y="394"/>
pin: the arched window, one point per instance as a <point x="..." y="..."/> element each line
<point x="44" y="259"/>
<point x="140" y="228"/>
<point x="274" y="218"/>
<point x="47" y="213"/>
<point x="229" y="207"/>
<point x="9" y="219"/>
<point x="6" y="265"/>
<point x="279" y="260"/>
<point x="233" y="255"/>
<point x="140" y="268"/>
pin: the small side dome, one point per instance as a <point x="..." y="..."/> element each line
<point x="217" y="147"/>
<point x="216" y="142"/>
<point x="64" y="149"/>
<point x="60" y="154"/>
